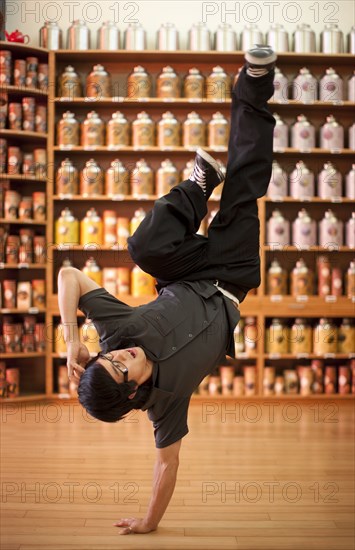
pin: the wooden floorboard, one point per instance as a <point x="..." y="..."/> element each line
<point x="272" y="484"/>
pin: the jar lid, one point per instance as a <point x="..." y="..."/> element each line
<point x="143" y="114"/>
<point x="68" y="114"/>
<point x="193" y="114"/>
<point x="168" y="69"/>
<point x="218" y="115"/>
<point x="99" y="67"/>
<point x="331" y="118"/>
<point x="139" y="69"/>
<point x="304" y="70"/>
<point x="168" y="114"/>
<point x="92" y="114"/>
<point x="218" y="69"/>
<point x="194" y="70"/>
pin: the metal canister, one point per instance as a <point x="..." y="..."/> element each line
<point x="277" y="38"/>
<point x="39" y="206"/>
<point x="280" y="141"/>
<point x="278" y="230"/>
<point x="305" y="86"/>
<point x="302" y="279"/>
<point x="109" y="279"/>
<point x="304" y="39"/>
<point x="92" y="130"/>
<point x="277" y="337"/>
<point x="98" y="83"/>
<point x="351" y="87"/>
<point x="346" y="336"/>
<point x="167" y="38"/>
<point x="318" y="376"/>
<point x="218" y="132"/>
<point x="69" y="84"/>
<point x="139" y="83"/>
<point x="40" y="160"/>
<point x="352" y="137"/>
<point x="51" y="36"/>
<point x="329" y="182"/>
<point x="304" y="230"/>
<point x="250" y="35"/>
<point x="67" y="228"/>
<point x="108" y="36"/>
<point x="3" y="109"/>
<point x="14" y="160"/>
<point x="199" y="38"/>
<point x="331" y="134"/>
<point x="143" y="131"/>
<point x="122" y="232"/>
<point x="41" y="119"/>
<point x="303" y="134"/>
<point x="331" y="86"/>
<point x="167" y="176"/>
<point x="350" y="183"/>
<point x="301" y="337"/>
<point x="330" y="380"/>
<point x="38" y="293"/>
<point x="194" y="84"/>
<point x="218" y="85"/>
<point x="331" y="39"/>
<point x="325" y="337"/>
<point x="278" y="182"/>
<point x="142" y="179"/>
<point x="43" y="76"/>
<point x="225" y="38"/>
<point x="91" y="179"/>
<point x="194" y="131"/>
<point x="324" y="275"/>
<point x="91" y="228"/>
<point x="68" y="130"/>
<point x="29" y="113"/>
<point x="276" y="280"/>
<point x="350" y="281"/>
<point x="168" y="83"/>
<point x="6" y="67"/>
<point x="351" y="40"/>
<point x="116" y="179"/>
<point x="117" y="130"/>
<point x="330" y="230"/>
<point x="3" y="155"/>
<point x="78" y="36"/>
<point x="350" y="232"/>
<point x="302" y="182"/>
<point x="344" y="379"/>
<point x="67" y="178"/>
<point x="32" y="72"/>
<point x="12" y="249"/>
<point x="280" y="86"/>
<point x="20" y="72"/>
<point x="110" y="227"/>
<point x="28" y="165"/>
<point x="337" y="282"/>
<point x="269" y="380"/>
<point x="249" y="380"/>
<point x="135" y="37"/>
<point x="39" y="249"/>
<point x="15" y="116"/>
<point x="11" y="204"/>
<point x="168" y="131"/>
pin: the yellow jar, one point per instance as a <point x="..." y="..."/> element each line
<point x="117" y="131"/>
<point x="143" y="131"/>
<point x="194" y="84"/>
<point x="117" y="179"/>
<point x="142" y="284"/>
<point x="168" y="83"/>
<point x="67" y="228"/>
<point x="138" y="217"/>
<point x="139" y="83"/>
<point x="194" y="131"/>
<point x="89" y="337"/>
<point x="325" y="337"/>
<point x="277" y="337"/>
<point x="169" y="130"/>
<point x="167" y="176"/>
<point x="122" y="232"/>
<point x="92" y="270"/>
<point x="346" y="336"/>
<point x="301" y="337"/>
<point x="142" y="179"/>
<point x="91" y="228"/>
<point x="68" y="130"/>
<point x="92" y="131"/>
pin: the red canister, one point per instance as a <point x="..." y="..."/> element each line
<point x="13" y="382"/>
<point x="28" y="113"/>
<point x="15" y="116"/>
<point x="20" y="72"/>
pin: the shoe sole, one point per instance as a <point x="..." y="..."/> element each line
<point x="260" y="62"/>
<point x="208" y="158"/>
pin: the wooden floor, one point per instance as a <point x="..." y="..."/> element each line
<point x="257" y="477"/>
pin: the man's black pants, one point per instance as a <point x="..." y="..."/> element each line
<point x="166" y="244"/>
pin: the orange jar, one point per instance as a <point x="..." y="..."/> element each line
<point x="142" y="284"/>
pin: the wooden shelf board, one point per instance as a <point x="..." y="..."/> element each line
<point x="30" y="311"/>
<point x="291" y="248"/>
<point x="22" y="134"/>
<point x="325" y="357"/>
<point x="21" y="177"/>
<point x="286" y="397"/>
<point x="26" y="49"/>
<point x="315" y="200"/>
<point x="22" y="222"/>
<point x="21" y="355"/>
<point x="23" y="90"/>
<point x="23" y="266"/>
<point x="107" y="198"/>
<point x="24" y="398"/>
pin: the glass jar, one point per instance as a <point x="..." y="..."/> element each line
<point x="194" y="131"/>
<point x="302" y="280"/>
<point x="277" y="337"/>
<point x="139" y="83"/>
<point x="167" y="176"/>
<point x="117" y="131"/>
<point x="168" y="84"/>
<point x="325" y="337"/>
<point x="92" y="131"/>
<point x="301" y="337"/>
<point x="276" y="280"/>
<point x="117" y="179"/>
<point x="91" y="179"/>
<point x="98" y="83"/>
<point x="218" y="132"/>
<point x="194" y="84"/>
<point x="142" y="179"/>
<point x="143" y="131"/>
<point x="218" y="85"/>
<point x="69" y="84"/>
<point x="68" y="130"/>
<point x="169" y="130"/>
<point x="91" y="228"/>
<point x="67" y="180"/>
<point x="67" y="228"/>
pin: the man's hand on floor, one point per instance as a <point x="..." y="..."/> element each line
<point x="133" y="525"/>
<point x="78" y="356"/>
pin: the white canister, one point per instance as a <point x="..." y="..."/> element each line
<point x="135" y="37"/>
<point x="280" y="87"/>
<point x="250" y="35"/>
<point x="331" y="86"/>
<point x="352" y="137"/>
<point x="108" y="36"/>
<point x="78" y="37"/>
<point x="331" y="231"/>
<point x="351" y="88"/>
<point x="225" y="39"/>
<point x="199" y="37"/>
<point x="305" y="86"/>
<point x="278" y="182"/>
<point x="168" y="37"/>
<point x="350" y="232"/>
<point x="331" y="134"/>
<point x="278" y="230"/>
<point x="329" y="182"/>
<point x="350" y="183"/>
<point x="331" y="39"/>
<point x="303" y="134"/>
<point x="304" y="230"/>
<point x="304" y="39"/>
<point x="302" y="182"/>
<point x="277" y="38"/>
<point x="51" y="36"/>
<point x="280" y="134"/>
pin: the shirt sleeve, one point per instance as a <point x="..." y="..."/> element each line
<point x="172" y="426"/>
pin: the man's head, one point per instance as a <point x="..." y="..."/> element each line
<point x="115" y="383"/>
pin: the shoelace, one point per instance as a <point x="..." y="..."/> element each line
<point x="199" y="176"/>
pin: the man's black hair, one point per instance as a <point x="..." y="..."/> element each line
<point x="104" y="398"/>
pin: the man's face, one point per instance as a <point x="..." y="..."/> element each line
<point x="133" y="358"/>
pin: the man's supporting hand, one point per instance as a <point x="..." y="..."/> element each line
<point x="78" y="356"/>
<point x="133" y="525"/>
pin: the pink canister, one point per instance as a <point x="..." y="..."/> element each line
<point x="304" y="230"/>
<point x="329" y="182"/>
<point x="278" y="230"/>
<point x="280" y="87"/>
<point x="350" y="183"/>
<point x="331" y="86"/>
<point x="350" y="231"/>
<point x="351" y="88"/>
<point x="352" y="137"/>
<point x="331" y="134"/>
<point x="330" y="231"/>
<point x="302" y="182"/>
<point x="303" y="134"/>
<point x="278" y="182"/>
<point x="280" y="133"/>
<point x="304" y="86"/>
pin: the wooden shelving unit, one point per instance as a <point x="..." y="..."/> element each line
<point x="119" y="64"/>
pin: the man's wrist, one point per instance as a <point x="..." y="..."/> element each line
<point x="149" y="524"/>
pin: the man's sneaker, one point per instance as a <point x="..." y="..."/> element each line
<point x="206" y="173"/>
<point x="260" y="59"/>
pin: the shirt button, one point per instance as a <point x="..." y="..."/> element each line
<point x="190" y="335"/>
<point x="158" y="317"/>
<point x="173" y="348"/>
<point x="205" y="322"/>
